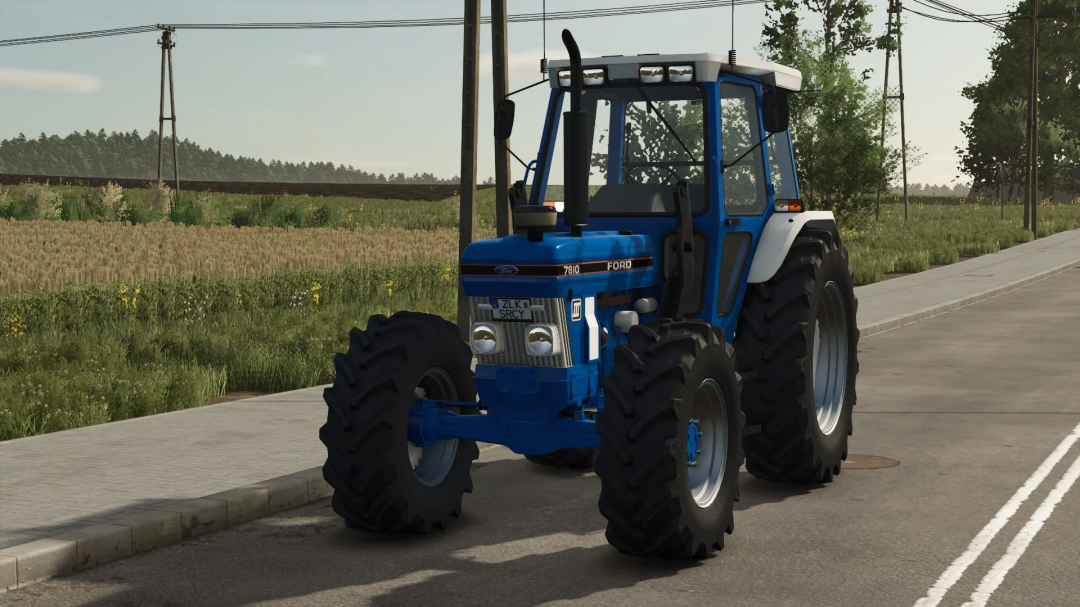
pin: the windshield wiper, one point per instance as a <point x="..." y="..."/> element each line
<point x="725" y="165"/>
<point x="650" y="105"/>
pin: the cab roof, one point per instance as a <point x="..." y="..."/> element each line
<point x="707" y="68"/>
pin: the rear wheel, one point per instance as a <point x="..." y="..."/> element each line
<point x="797" y="334"/>
<point x="382" y="482"/>
<point x="670" y="441"/>
<point x="565" y="458"/>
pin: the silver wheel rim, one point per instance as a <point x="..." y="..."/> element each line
<point x="830" y="357"/>
<point x="706" y="457"/>
<point x="432" y="464"/>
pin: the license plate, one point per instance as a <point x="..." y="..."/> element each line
<point x="511" y="309"/>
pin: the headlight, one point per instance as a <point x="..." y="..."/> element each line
<point x="540" y="340"/>
<point x="592" y="76"/>
<point x="651" y="74"/>
<point x="485" y="339"/>
<point x="680" y="73"/>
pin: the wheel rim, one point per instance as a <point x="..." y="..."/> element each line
<point x="432" y="464"/>
<point x="830" y="361"/>
<point x="707" y="443"/>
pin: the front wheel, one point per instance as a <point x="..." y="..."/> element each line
<point x="670" y="441"/>
<point x="382" y="482"/>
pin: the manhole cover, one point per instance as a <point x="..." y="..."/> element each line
<point x="857" y="461"/>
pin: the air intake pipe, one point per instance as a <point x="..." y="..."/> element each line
<point x="575" y="148"/>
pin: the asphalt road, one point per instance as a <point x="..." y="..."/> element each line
<point x="971" y="403"/>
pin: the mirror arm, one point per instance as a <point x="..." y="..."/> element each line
<point x="507" y="148"/>
<point x="525" y="88"/>
<point x="725" y="165"/>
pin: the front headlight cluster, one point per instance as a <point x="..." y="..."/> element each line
<point x="540" y="340"/>
<point x="648" y="74"/>
<point x="590" y="76"/>
<point x="652" y="74"/>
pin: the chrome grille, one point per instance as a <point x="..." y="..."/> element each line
<point x="513" y="334"/>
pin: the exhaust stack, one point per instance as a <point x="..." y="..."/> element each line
<point x="575" y="147"/>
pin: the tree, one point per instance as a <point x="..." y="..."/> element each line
<point x="996" y="131"/>
<point x="835" y="132"/>
<point x="129" y="156"/>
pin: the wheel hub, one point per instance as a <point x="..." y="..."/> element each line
<point x="432" y="464"/>
<point x="692" y="437"/>
<point x="707" y="443"/>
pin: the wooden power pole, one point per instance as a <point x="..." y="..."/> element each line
<point x="167" y="45"/>
<point x="900" y="71"/>
<point x="884" y="104"/>
<point x="500" y="86"/>
<point x="470" y="85"/>
<point x="1035" y="119"/>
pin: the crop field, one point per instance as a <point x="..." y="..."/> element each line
<point x="49" y="255"/>
<point x="102" y="320"/>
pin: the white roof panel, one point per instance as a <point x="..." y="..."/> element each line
<point x="707" y="67"/>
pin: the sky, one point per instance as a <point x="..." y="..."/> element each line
<point x="389" y="100"/>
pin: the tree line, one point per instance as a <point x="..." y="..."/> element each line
<point x="131" y="156"/>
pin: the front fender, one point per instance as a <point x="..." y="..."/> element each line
<point x="776" y="238"/>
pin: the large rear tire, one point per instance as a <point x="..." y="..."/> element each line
<point x="798" y="336"/>
<point x="670" y="441"/>
<point x="381" y="481"/>
<point x="565" y="458"/>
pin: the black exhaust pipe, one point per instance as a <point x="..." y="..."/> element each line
<point x="575" y="147"/>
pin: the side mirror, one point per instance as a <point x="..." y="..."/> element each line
<point x="774" y="111"/>
<point x="504" y="119"/>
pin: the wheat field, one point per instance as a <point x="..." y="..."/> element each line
<point x="47" y="255"/>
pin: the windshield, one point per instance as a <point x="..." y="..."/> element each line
<point x="643" y="140"/>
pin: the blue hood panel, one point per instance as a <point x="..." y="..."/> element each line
<point x="595" y="262"/>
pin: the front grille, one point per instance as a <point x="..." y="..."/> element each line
<point x="513" y="334"/>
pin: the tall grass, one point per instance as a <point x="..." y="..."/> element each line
<point x="937" y="234"/>
<point x="87" y="358"/>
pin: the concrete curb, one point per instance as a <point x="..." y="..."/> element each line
<point x="173" y="522"/>
<point x="930" y="311"/>
<point x="169" y="523"/>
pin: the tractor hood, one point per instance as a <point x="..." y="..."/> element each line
<point x="592" y="263"/>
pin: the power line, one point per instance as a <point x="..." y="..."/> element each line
<point x="393" y="23"/>
<point x="1002" y="22"/>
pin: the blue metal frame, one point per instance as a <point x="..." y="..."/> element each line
<point x="535" y="410"/>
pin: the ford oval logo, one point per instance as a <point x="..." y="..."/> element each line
<point x="506" y="270"/>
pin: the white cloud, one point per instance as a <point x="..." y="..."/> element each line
<point x="310" y="60"/>
<point x="44" y="80"/>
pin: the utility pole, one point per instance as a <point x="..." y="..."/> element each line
<point x="903" y="132"/>
<point x="884" y="105"/>
<point x="470" y="85"/>
<point x="1035" y="121"/>
<point x="1001" y="187"/>
<point x="1029" y="193"/>
<point x="500" y="87"/>
<point x="167" y="45"/>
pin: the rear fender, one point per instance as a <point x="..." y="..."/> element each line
<point x="778" y="235"/>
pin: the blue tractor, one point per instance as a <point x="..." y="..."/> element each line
<point x="663" y="321"/>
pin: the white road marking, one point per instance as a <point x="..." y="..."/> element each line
<point x="983" y="539"/>
<point x="1020" y="543"/>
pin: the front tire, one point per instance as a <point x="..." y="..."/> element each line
<point x="798" y="335"/>
<point x="381" y="481"/>
<point x="666" y="490"/>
